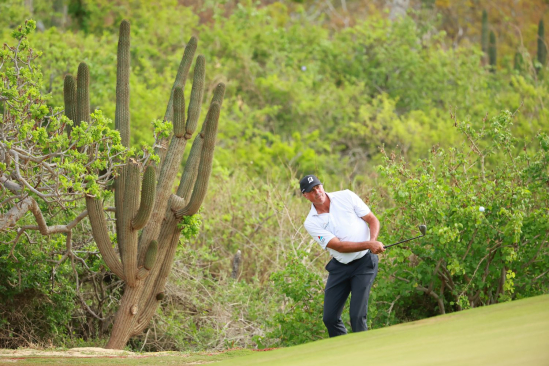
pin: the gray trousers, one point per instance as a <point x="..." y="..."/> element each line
<point x="355" y="278"/>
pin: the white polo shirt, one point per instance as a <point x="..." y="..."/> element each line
<point x="344" y="221"/>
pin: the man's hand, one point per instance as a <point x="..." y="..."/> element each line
<point x="377" y="247"/>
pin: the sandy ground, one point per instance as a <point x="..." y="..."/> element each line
<point x="73" y="352"/>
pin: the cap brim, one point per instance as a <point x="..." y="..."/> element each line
<point x="310" y="188"/>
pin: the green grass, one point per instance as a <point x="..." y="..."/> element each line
<point x="513" y="333"/>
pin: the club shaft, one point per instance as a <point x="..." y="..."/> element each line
<point x="403" y="241"/>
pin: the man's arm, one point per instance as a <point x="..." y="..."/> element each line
<point x="374" y="225"/>
<point x="375" y="247"/>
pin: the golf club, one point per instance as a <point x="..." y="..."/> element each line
<point x="422" y="229"/>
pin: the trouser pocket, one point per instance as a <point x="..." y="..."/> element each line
<point x="327" y="267"/>
<point x="370" y="261"/>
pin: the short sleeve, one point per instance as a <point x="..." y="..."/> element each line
<point x="320" y="235"/>
<point x="361" y="209"/>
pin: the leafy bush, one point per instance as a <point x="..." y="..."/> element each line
<point x="35" y="309"/>
<point x="301" y="292"/>
<point x="485" y="206"/>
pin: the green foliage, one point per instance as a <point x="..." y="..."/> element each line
<point x="470" y="256"/>
<point x="295" y="87"/>
<point x="518" y="62"/>
<point x="301" y="294"/>
<point x="35" y="303"/>
<point x="190" y="226"/>
<point x="34" y="132"/>
<point x="13" y="14"/>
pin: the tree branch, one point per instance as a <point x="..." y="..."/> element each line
<point x="439" y="299"/>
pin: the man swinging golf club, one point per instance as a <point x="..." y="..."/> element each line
<point x="344" y="225"/>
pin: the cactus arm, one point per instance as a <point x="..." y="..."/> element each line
<point x="82" y="94"/>
<point x="205" y="167"/>
<point x="150" y="259"/>
<point x="122" y="114"/>
<point x="219" y="93"/>
<point x="178" y="113"/>
<point x="101" y="236"/>
<point x="119" y="185"/>
<point x="197" y="94"/>
<point x="122" y="121"/>
<point x="148" y="188"/>
<point x="168" y="173"/>
<point x="179" y="140"/>
<point x="182" y="73"/>
<point x="180" y="81"/>
<point x="69" y="95"/>
<point x="129" y="236"/>
<point x="191" y="170"/>
<point x="191" y="167"/>
<point x="164" y="187"/>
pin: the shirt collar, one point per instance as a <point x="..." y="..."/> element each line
<point x="313" y="211"/>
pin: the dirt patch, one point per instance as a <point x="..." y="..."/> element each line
<point x="102" y="356"/>
<point x="73" y="352"/>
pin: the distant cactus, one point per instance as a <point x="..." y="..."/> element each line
<point x="492" y="52"/>
<point x="484" y="33"/>
<point x="144" y="261"/>
<point x="542" y="47"/>
<point x="69" y="92"/>
<point x="82" y="94"/>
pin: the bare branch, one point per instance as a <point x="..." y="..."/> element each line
<point x="10" y="185"/>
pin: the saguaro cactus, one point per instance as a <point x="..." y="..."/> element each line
<point x="542" y="47"/>
<point x="492" y="52"/>
<point x="146" y="223"/>
<point x="484" y="33"/>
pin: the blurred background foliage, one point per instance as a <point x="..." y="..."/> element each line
<point x="334" y="88"/>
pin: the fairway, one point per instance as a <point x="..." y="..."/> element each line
<point x="513" y="333"/>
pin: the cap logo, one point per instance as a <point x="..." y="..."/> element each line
<point x="310" y="179"/>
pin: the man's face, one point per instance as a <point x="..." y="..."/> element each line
<point x="317" y="195"/>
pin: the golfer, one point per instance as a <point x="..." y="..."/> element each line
<point x="344" y="225"/>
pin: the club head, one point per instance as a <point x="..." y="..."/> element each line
<point x="422" y="229"/>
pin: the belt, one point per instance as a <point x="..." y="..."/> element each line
<point x="353" y="261"/>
